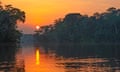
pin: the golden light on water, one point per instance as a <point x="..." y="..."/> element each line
<point x="37" y="56"/>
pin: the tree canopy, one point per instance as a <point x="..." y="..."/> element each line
<point x="8" y="20"/>
<point x="76" y="28"/>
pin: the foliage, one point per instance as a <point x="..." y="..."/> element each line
<point x="8" y="20"/>
<point x="76" y="28"/>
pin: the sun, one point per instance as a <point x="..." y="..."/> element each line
<point x="37" y="27"/>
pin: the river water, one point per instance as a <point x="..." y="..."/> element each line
<point x="32" y="57"/>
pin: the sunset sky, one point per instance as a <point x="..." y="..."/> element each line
<point x="43" y="12"/>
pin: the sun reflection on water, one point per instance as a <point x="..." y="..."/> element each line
<point x="40" y="59"/>
<point x="37" y="56"/>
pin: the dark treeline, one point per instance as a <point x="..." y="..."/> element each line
<point x="80" y="51"/>
<point x="9" y="38"/>
<point x="76" y="28"/>
<point x="8" y="20"/>
<point x="83" y="51"/>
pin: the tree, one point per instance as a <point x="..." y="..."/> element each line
<point x="76" y="28"/>
<point x="8" y="20"/>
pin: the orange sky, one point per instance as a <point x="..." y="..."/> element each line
<point x="43" y="12"/>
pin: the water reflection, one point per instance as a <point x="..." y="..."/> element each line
<point x="37" y="56"/>
<point x="88" y="65"/>
<point x="71" y="58"/>
<point x="9" y="58"/>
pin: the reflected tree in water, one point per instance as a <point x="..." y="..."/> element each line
<point x="8" y="60"/>
<point x="81" y="58"/>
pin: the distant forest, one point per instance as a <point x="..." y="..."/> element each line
<point x="76" y="28"/>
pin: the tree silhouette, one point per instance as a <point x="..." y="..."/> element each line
<point x="76" y="28"/>
<point x="8" y="20"/>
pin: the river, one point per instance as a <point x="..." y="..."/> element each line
<point x="32" y="57"/>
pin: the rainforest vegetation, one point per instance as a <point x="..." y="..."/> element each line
<point x="9" y="16"/>
<point x="76" y="28"/>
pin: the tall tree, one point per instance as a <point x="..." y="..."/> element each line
<point x="8" y="19"/>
